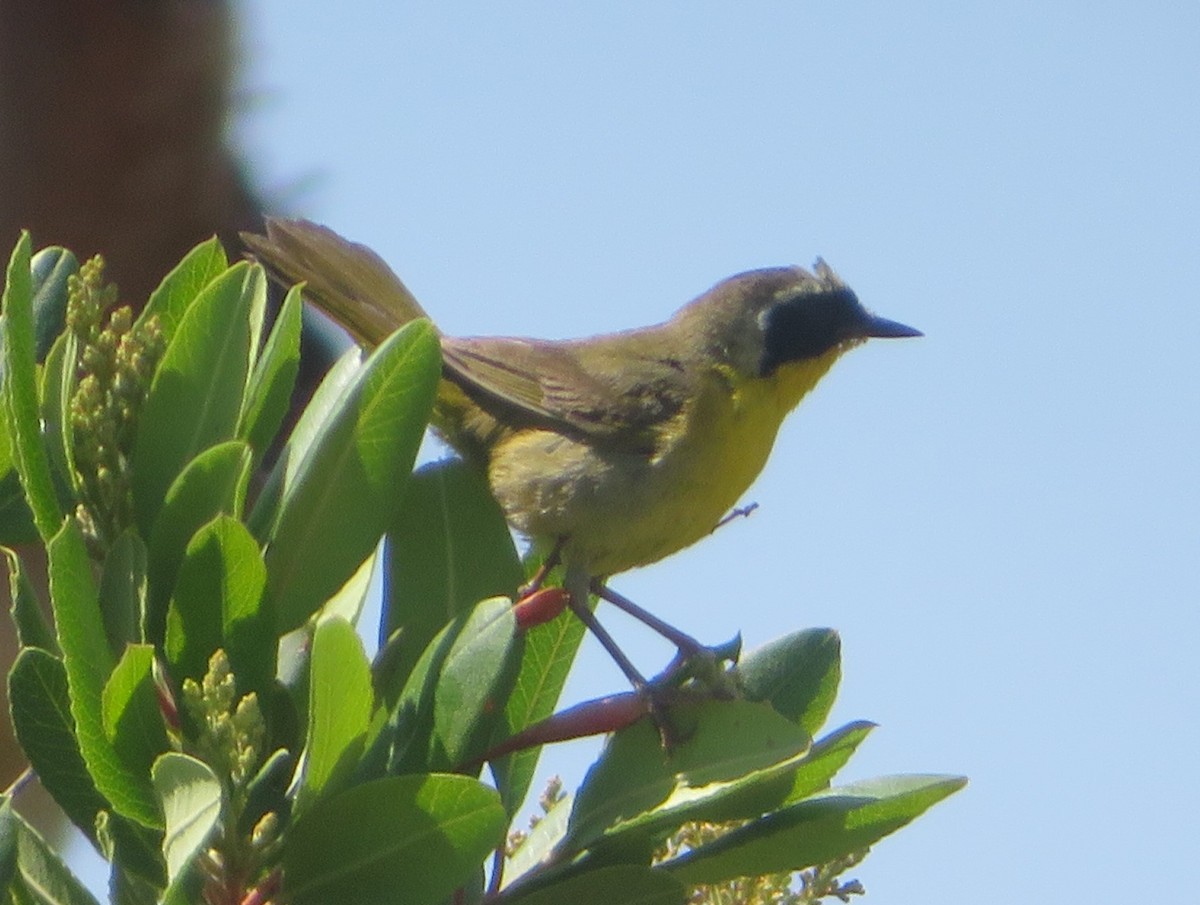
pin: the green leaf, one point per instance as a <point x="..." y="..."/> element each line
<point x="619" y="885"/>
<point x="449" y="548"/>
<point x="190" y="794"/>
<point x="58" y="385"/>
<point x="797" y="674"/>
<point x="32" y="628"/>
<point x="273" y="378"/>
<point x="37" y="692"/>
<point x="133" y="722"/>
<point x="265" y="516"/>
<point x="824" y="760"/>
<point x="404" y="840"/>
<point x="196" y="395"/>
<point x="447" y="708"/>
<point x="41" y="875"/>
<point x="16" y="521"/>
<point x="50" y="272"/>
<point x="409" y="733"/>
<point x="475" y="680"/>
<point x="347" y="488"/>
<point x="123" y="590"/>
<point x="349" y="601"/>
<point x="816" y="830"/>
<point x="341" y="702"/>
<point x="89" y="663"/>
<point x="549" y="652"/>
<point x="218" y="603"/>
<point x="212" y="483"/>
<point x="10" y="831"/>
<point x="732" y="747"/>
<point x="20" y="393"/>
<point x="179" y="288"/>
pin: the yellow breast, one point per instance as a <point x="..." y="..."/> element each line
<point x="619" y="510"/>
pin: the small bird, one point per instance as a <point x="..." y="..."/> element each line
<point x="618" y="450"/>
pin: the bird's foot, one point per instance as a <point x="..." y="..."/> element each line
<point x="704" y="668"/>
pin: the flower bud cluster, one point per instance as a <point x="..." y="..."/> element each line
<point x="115" y="363"/>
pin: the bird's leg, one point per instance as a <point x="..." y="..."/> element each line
<point x="539" y="577"/>
<point x="687" y="645"/>
<point x="577" y="590"/>
<point x="578" y="583"/>
<point x="690" y="657"/>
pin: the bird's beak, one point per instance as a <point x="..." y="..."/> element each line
<point x="882" y="328"/>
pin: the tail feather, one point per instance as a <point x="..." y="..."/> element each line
<point x="347" y="281"/>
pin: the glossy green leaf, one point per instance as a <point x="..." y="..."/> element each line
<point x="410" y="730"/>
<point x="349" y="601"/>
<point x="218" y="603"/>
<point x="449" y="548"/>
<point x="41" y="876"/>
<point x="89" y="663"/>
<point x="624" y="884"/>
<point x="549" y="652"/>
<point x="348" y="486"/>
<point x="41" y="715"/>
<point x="33" y="630"/>
<point x="767" y="790"/>
<point x="404" y="840"/>
<point x="475" y="680"/>
<point x="20" y="393"/>
<point x="196" y="395"/>
<point x="58" y="385"/>
<point x="824" y="759"/>
<point x="264" y="518"/>
<point x="816" y="830"/>
<point x="212" y="483"/>
<point x="274" y="376"/>
<point x="133" y="722"/>
<point x="179" y="288"/>
<point x="797" y="674"/>
<point x="423" y="718"/>
<point x="10" y="830"/>
<point x="190" y="794"/>
<point x="341" y="701"/>
<point x="50" y="272"/>
<point x="636" y="785"/>
<point x="123" y="590"/>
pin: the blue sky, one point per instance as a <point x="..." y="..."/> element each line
<point x="1000" y="518"/>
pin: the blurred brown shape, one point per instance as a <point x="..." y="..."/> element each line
<point x="113" y="119"/>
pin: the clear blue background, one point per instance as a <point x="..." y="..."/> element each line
<point x="1000" y="518"/>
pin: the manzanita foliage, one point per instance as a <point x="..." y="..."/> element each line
<point x="198" y="699"/>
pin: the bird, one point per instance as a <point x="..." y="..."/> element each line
<point x="611" y="451"/>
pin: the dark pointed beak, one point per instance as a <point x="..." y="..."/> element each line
<point x="882" y="328"/>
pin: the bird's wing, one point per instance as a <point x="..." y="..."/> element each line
<point x="612" y="391"/>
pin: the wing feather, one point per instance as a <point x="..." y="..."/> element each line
<point x="615" y="391"/>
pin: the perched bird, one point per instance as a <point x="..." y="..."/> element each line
<point x="614" y="451"/>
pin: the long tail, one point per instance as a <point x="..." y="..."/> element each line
<point x="347" y="281"/>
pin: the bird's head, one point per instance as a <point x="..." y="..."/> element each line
<point x="759" y="321"/>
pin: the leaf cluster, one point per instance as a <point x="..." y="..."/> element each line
<point x="200" y="702"/>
